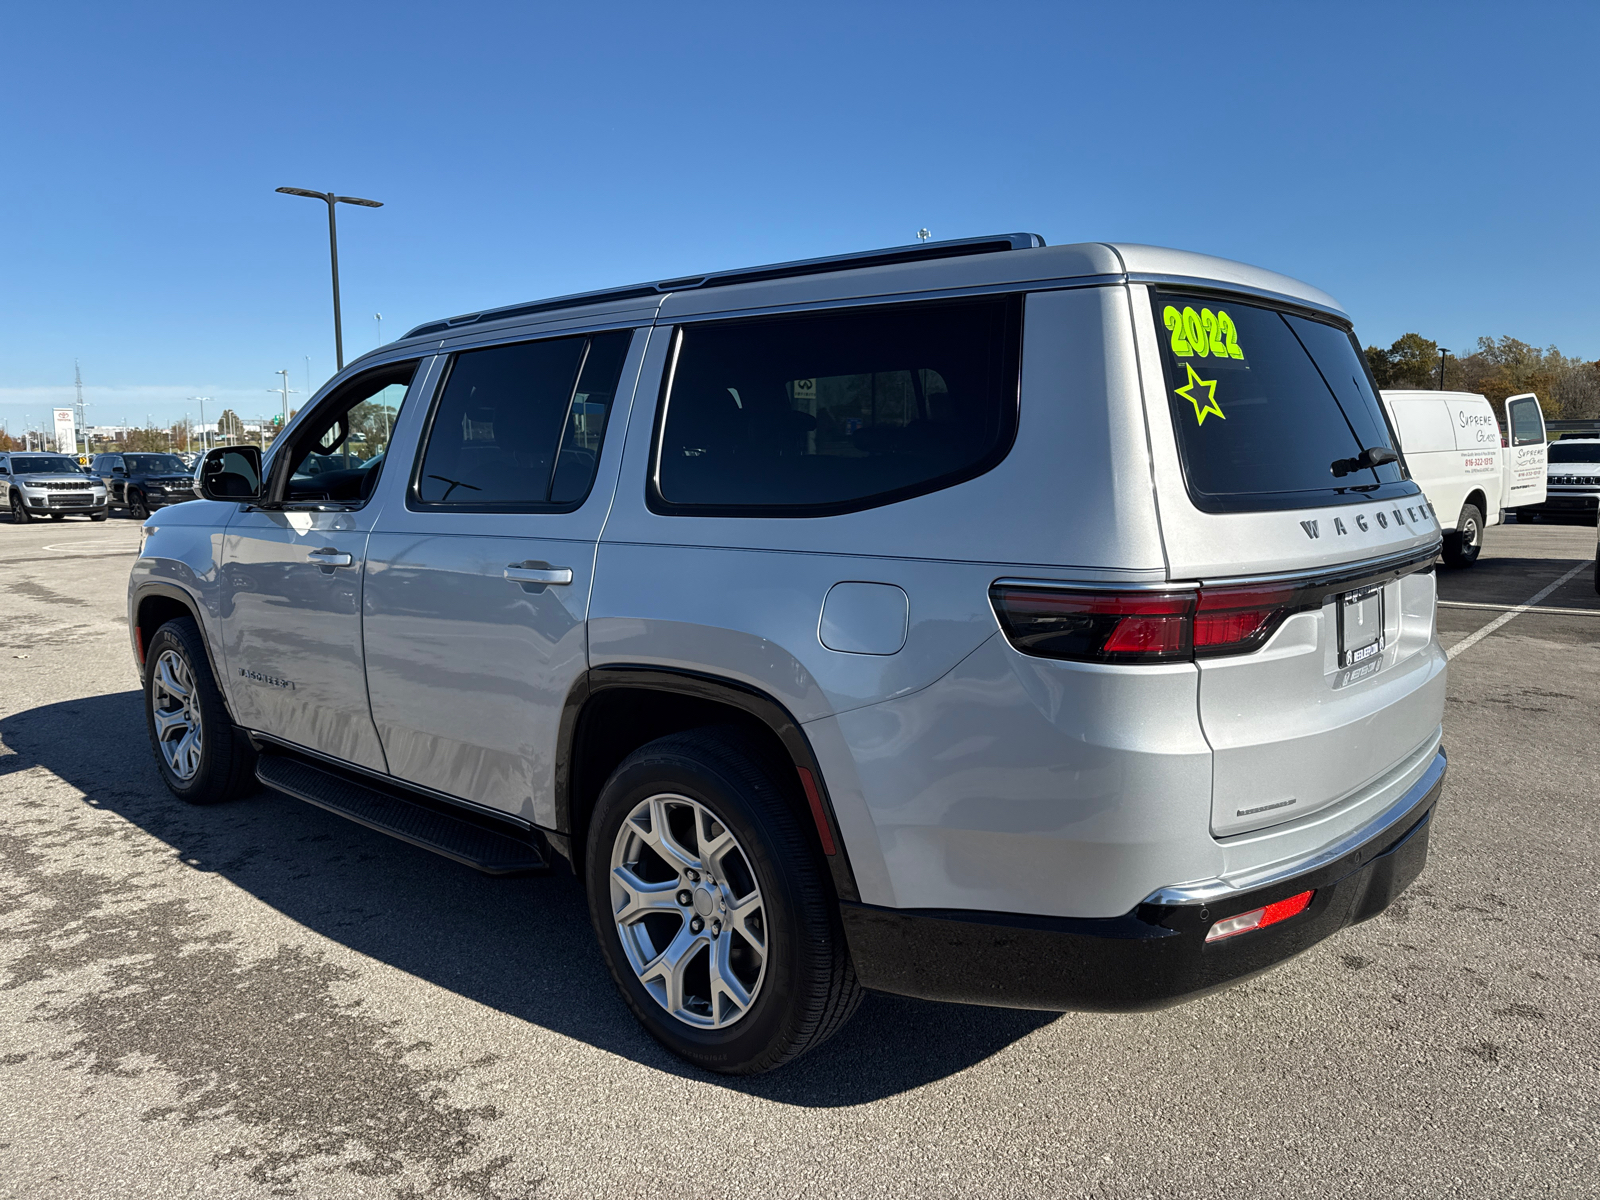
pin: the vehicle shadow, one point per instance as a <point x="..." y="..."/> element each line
<point x="522" y="946"/>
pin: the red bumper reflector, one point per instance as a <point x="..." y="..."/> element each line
<point x="814" y="799"/>
<point x="1260" y="918"/>
<point x="138" y="642"/>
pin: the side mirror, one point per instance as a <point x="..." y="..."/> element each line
<point x="119" y="471"/>
<point x="230" y="473"/>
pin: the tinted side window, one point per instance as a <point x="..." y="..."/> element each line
<point x="828" y="413"/>
<point x="1526" y="428"/>
<point x="1263" y="404"/>
<point x="518" y="428"/>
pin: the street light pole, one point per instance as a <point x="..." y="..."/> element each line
<point x="333" y="253"/>
<point x="1442" y="353"/>
<point x="204" y="440"/>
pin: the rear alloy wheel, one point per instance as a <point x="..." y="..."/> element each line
<point x="203" y="759"/>
<point x="137" y="508"/>
<point x="1461" y="548"/>
<point x="19" y="511"/>
<point x="712" y="906"/>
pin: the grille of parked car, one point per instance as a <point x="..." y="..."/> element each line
<point x="60" y="487"/>
<point x="1576" y="480"/>
<point x="74" y="499"/>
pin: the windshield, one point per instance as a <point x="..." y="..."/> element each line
<point x="44" y="464"/>
<point x="150" y="464"/>
<point x="1575" y="452"/>
<point x="1271" y="408"/>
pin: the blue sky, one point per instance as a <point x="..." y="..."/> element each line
<point x="1433" y="167"/>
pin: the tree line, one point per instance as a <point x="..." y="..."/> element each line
<point x="1568" y="388"/>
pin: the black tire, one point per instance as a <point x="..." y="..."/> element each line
<point x="809" y="988"/>
<point x="58" y="516"/>
<point x="19" y="511"/>
<point x="1597" y="574"/>
<point x="137" y="508"/>
<point x="1462" y="547"/>
<point x="98" y="516"/>
<point x="226" y="766"/>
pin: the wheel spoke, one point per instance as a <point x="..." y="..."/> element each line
<point x="724" y="982"/>
<point x="660" y="838"/>
<point x="739" y="914"/>
<point x="639" y="899"/>
<point x="168" y="679"/>
<point x="166" y="722"/>
<point x="668" y="966"/>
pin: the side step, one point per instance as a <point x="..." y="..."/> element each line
<point x="473" y="842"/>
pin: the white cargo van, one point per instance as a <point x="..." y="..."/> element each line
<point x="1454" y="451"/>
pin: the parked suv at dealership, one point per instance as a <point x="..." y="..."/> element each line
<point x="978" y="621"/>
<point x="37" y="485"/>
<point x="142" y="483"/>
<point x="1574" y="480"/>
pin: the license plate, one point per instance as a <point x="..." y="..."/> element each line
<point x="1360" y="626"/>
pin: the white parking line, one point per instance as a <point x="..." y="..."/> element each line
<point x="1544" y="608"/>
<point x="1473" y="639"/>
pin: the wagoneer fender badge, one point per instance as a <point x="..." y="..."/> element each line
<point x="269" y="680"/>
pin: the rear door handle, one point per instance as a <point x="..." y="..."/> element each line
<point x="520" y="573"/>
<point x="329" y="557"/>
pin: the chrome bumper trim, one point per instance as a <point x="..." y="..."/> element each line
<point x="1385" y="822"/>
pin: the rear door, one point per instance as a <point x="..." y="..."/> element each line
<point x="1258" y="435"/>
<point x="478" y="579"/>
<point x="1427" y="437"/>
<point x="1528" y="453"/>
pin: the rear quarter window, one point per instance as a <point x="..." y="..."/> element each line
<point x="1264" y="402"/>
<point x="837" y="411"/>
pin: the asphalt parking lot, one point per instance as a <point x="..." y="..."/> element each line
<point x="262" y="999"/>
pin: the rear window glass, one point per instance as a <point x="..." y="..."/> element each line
<point x="1265" y="403"/>
<point x="828" y="413"/>
<point x="1575" y="452"/>
<point x="1526" y="427"/>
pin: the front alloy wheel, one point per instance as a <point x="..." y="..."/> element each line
<point x="137" y="508"/>
<point x="175" y="710"/>
<point x="688" y="911"/>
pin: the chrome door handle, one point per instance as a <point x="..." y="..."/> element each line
<point x="329" y="557"/>
<point x="518" y="573"/>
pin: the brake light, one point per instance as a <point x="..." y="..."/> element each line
<point x="1233" y="620"/>
<point x="1132" y="627"/>
<point x="1260" y="918"/>
<point x="1097" y="626"/>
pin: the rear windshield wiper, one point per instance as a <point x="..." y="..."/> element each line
<point x="1372" y="456"/>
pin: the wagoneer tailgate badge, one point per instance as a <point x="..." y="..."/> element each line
<point x="1409" y="515"/>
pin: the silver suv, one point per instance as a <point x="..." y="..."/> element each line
<point x="35" y="484"/>
<point x="978" y="621"/>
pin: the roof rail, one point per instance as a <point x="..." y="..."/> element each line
<point x="888" y="256"/>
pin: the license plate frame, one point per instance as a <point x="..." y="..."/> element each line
<point x="1360" y="625"/>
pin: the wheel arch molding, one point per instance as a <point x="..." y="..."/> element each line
<point x="152" y="606"/>
<point x="651" y="702"/>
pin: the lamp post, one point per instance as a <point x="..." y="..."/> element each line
<point x="1442" y="353"/>
<point x="286" y="391"/>
<point x="204" y="440"/>
<point x="333" y="252"/>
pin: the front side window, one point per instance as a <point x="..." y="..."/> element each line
<point x="1271" y="408"/>
<point x="799" y="416"/>
<point x="336" y="458"/>
<point x="518" y="428"/>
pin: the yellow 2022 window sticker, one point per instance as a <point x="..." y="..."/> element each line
<point x="1203" y="334"/>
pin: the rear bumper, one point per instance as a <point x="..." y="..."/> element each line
<point x="1562" y="503"/>
<point x="1152" y="957"/>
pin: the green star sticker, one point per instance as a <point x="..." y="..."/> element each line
<point x="1187" y="392"/>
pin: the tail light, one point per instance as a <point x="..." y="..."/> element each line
<point x="1142" y="626"/>
<point x="1097" y="626"/>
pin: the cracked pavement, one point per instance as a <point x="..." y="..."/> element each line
<point x="261" y="999"/>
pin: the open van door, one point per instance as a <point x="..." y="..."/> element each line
<point x="1527" y="453"/>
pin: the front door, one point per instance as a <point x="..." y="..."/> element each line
<point x="292" y="577"/>
<point x="1527" y="454"/>
<point x="478" y="582"/>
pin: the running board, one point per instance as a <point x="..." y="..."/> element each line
<point x="472" y="842"/>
